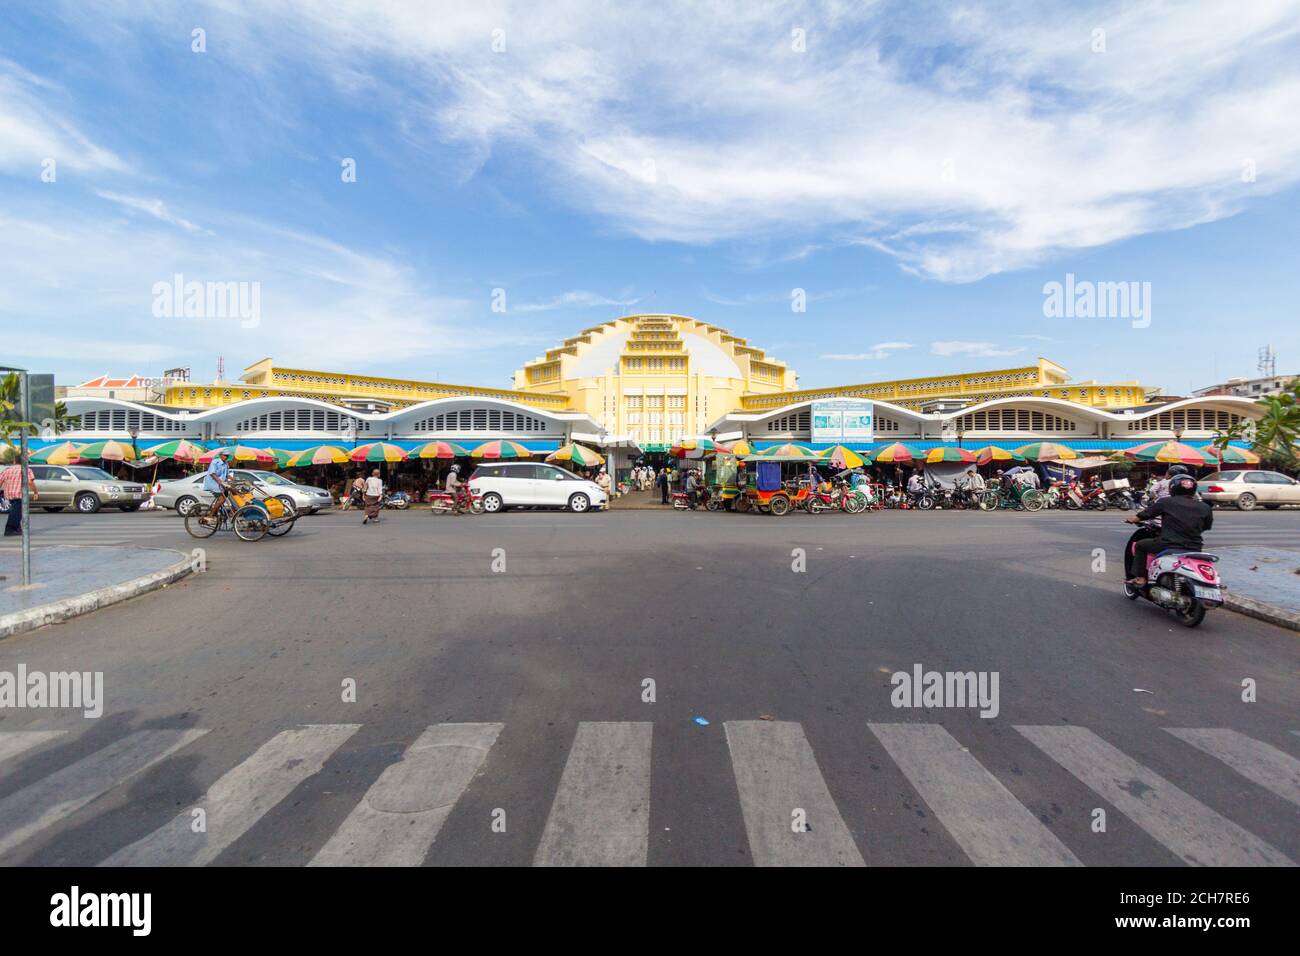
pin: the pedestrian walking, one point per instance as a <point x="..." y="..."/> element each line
<point x="374" y="493"/>
<point x="602" y="482"/>
<point x="662" y="481"/>
<point x="11" y="480"/>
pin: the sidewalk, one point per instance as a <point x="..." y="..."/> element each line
<point x="69" y="580"/>
<point x="1262" y="582"/>
<point x="639" y="501"/>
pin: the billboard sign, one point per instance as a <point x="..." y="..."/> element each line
<point x="844" y="420"/>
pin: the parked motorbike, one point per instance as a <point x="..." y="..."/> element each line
<point x="1181" y="581"/>
<point x="397" y="500"/>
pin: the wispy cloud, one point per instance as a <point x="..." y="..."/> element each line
<point x="152" y="207"/>
<point x="577" y="299"/>
<point x="881" y="350"/>
<point x="34" y="130"/>
<point x="980" y="349"/>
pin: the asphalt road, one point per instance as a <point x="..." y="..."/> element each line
<point x="517" y="697"/>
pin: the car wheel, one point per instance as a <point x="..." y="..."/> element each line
<point x="54" y="510"/>
<point x="289" y="506"/>
<point x="87" y="503"/>
<point x="579" y="503"/>
<point x="492" y="503"/>
<point x="1246" y="502"/>
<point x="185" y="506"/>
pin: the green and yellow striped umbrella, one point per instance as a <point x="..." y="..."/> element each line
<point x="318" y="455"/>
<point x="178" y="449"/>
<point x="107" y="451"/>
<point x="895" y="454"/>
<point x="238" y="453"/>
<point x="995" y="453"/>
<point x="578" y="454"/>
<point x="936" y="455"/>
<point x="1169" y="453"/>
<point x="439" y="449"/>
<point x="1045" y="451"/>
<point x="378" y="451"/>
<point x="64" y="453"/>
<point x="501" y="449"/>
<point x="788" y="450"/>
<point x="1229" y="455"/>
<point x="840" y="457"/>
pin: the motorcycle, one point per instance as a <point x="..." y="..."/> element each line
<point x="1179" y="580"/>
<point x="444" y="502"/>
<point x="396" y="500"/>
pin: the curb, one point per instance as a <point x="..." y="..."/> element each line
<point x="1264" y="612"/>
<point x="66" y="608"/>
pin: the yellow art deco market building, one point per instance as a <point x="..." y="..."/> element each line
<point x="634" y="385"/>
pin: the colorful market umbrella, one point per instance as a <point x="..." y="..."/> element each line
<point x="438" y="449"/>
<point x="738" y="448"/>
<point x="696" y="448"/>
<point x="179" y="449"/>
<point x="897" y="453"/>
<point x="578" y="454"/>
<point x="281" y="457"/>
<point x="995" y="453"/>
<point x="64" y="453"/>
<point x="1045" y="451"/>
<point x="378" y="451"/>
<point x="840" y="457"/>
<point x="107" y="451"/>
<point x="501" y="449"/>
<point x="936" y="455"/>
<point x="786" y="451"/>
<point x="258" y="456"/>
<point x="318" y="455"/>
<point x="1230" y="455"/>
<point x="1169" y="453"/>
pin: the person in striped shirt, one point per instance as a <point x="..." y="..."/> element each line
<point x="11" y="482"/>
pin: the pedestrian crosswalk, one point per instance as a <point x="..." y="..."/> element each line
<point x="599" y="813"/>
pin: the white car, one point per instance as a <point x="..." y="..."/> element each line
<point x="1249" y="488"/>
<point x="501" y="485"/>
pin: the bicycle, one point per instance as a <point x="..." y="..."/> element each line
<point x="249" y="521"/>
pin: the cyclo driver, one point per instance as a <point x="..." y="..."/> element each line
<point x="215" y="480"/>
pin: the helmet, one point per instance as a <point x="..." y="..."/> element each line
<point x="455" y="467"/>
<point x="1177" y="470"/>
<point x="1182" y="485"/>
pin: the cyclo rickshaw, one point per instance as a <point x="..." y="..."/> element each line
<point x="244" y="512"/>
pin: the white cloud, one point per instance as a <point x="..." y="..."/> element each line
<point x="31" y="131"/>
<point x="981" y="349"/>
<point x="881" y="350"/>
<point x="153" y="207"/>
<point x="579" y="298"/>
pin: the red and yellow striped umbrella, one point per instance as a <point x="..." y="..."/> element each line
<point x="837" y="456"/>
<point x="259" y="456"/>
<point x="438" y="449"/>
<point x="1046" y="451"/>
<point x="994" y="453"/>
<point x="319" y="455"/>
<point x="501" y="449"/>
<point x="1169" y="453"/>
<point x="936" y="455"/>
<point x="895" y="454"/>
<point x="696" y="448"/>
<point x="378" y="451"/>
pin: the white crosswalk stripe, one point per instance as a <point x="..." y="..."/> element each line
<point x="781" y="789"/>
<point x="601" y="813"/>
<point x="14" y="742"/>
<point x="238" y="800"/>
<point x="1253" y="759"/>
<point x="991" y="826"/>
<point x="66" y="791"/>
<point x="400" y="816"/>
<point x="1192" y="831"/>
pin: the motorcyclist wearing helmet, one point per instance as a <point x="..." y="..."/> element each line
<point x="1183" y="518"/>
<point x="453" y="479"/>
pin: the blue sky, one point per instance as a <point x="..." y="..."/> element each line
<point x="919" y="170"/>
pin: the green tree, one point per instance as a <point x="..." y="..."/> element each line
<point x="10" y="394"/>
<point x="1274" y="436"/>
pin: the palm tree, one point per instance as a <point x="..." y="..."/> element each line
<point x="1274" y="436"/>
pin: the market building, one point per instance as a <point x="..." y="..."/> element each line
<point x="633" y="386"/>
